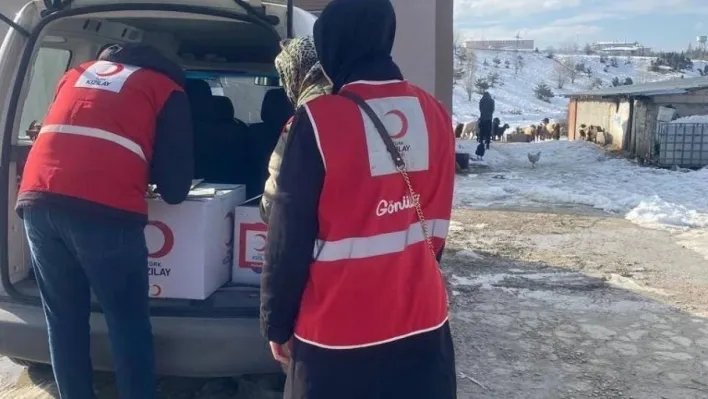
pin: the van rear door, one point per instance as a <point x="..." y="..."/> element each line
<point x="13" y="47"/>
<point x="279" y="17"/>
<point x="12" y="250"/>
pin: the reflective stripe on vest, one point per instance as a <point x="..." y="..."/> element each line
<point x="370" y="344"/>
<point x="380" y="244"/>
<point x="126" y="143"/>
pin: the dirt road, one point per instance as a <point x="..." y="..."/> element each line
<point x="551" y="305"/>
<point x="544" y="305"/>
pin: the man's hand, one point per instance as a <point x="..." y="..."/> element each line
<point x="281" y="352"/>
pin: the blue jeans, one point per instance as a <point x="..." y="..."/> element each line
<point x="72" y="255"/>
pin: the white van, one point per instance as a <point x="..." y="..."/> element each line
<point x="230" y="44"/>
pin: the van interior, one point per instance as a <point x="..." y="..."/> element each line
<point x="237" y="105"/>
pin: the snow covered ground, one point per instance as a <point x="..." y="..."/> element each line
<point x="516" y="103"/>
<point x="580" y="174"/>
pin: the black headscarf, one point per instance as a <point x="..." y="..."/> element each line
<point x="354" y="39"/>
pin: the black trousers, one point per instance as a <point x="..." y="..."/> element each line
<point x="485" y="132"/>
<point x="419" y="367"/>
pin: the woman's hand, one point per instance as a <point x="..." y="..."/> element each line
<point x="281" y="352"/>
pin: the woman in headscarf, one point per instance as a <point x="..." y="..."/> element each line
<point x="303" y="80"/>
<point x="352" y="297"/>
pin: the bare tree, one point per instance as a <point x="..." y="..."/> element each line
<point x="468" y="79"/>
<point x="572" y="70"/>
<point x="456" y="38"/>
<point x="459" y="57"/>
<point x="457" y="43"/>
<point x="569" y="48"/>
<point x="458" y="74"/>
<point x="561" y="75"/>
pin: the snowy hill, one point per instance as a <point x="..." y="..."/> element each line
<point x="516" y="103"/>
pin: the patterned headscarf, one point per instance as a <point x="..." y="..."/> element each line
<point x="298" y="66"/>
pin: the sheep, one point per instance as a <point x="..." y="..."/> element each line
<point x="554" y="130"/>
<point x="541" y="132"/>
<point x="530" y="132"/>
<point x="458" y="130"/>
<point x="498" y="130"/>
<point x="597" y="135"/>
<point x="499" y="133"/>
<point x="544" y="132"/>
<point x="592" y="133"/>
<point x="469" y="131"/>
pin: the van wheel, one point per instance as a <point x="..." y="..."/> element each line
<point x="27" y="363"/>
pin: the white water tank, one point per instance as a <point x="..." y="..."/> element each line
<point x="702" y="39"/>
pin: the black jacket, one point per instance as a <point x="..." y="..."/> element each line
<point x="172" y="165"/>
<point x="486" y="107"/>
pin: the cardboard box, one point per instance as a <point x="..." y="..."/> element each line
<point x="250" y="235"/>
<point x="191" y="245"/>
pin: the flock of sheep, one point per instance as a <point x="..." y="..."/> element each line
<point x="470" y="130"/>
<point x="546" y="130"/>
<point x="595" y="134"/>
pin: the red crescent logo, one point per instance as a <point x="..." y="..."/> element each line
<point x="404" y="123"/>
<point x="231" y="219"/>
<point x="263" y="237"/>
<point x="155" y="290"/>
<point x="169" y="239"/>
<point x="110" y="70"/>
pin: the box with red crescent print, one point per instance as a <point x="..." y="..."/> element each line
<point x="250" y="235"/>
<point x="191" y="245"/>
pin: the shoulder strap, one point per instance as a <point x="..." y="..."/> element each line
<point x="396" y="158"/>
<point x="390" y="145"/>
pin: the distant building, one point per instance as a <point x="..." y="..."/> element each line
<point x="510" y="44"/>
<point x="630" y="119"/>
<point x="619" y="48"/>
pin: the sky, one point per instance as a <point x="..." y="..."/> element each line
<point x="660" y="24"/>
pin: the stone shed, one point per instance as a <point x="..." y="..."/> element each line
<point x="629" y="113"/>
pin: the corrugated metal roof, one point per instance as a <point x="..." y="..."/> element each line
<point x="673" y="86"/>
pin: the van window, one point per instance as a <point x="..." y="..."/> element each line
<point x="246" y="96"/>
<point x="49" y="66"/>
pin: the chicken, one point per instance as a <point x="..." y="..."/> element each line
<point x="534" y="158"/>
<point x="480" y="151"/>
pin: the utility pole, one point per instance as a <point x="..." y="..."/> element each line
<point x="517" y="59"/>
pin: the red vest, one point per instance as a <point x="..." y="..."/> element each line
<point x="96" y="141"/>
<point x="374" y="279"/>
